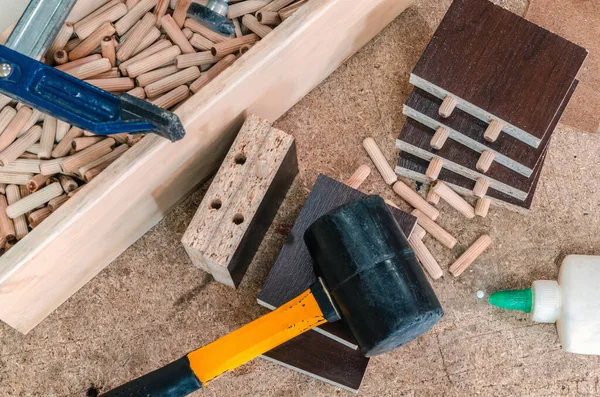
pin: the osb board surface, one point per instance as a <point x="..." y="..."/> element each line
<point x="578" y="21"/>
<point x="502" y="64"/>
<point x="151" y="305"/>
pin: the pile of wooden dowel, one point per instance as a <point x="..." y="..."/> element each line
<point x="147" y="48"/>
<point x="426" y="214"/>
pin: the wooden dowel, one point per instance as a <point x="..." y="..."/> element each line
<point x="276" y="5"/>
<point x="180" y="12"/>
<point x="57" y="202"/>
<point x="244" y="49"/>
<point x="237" y="26"/>
<point x="138" y="92"/>
<point x="172" y="97"/>
<point x="36" y="117"/>
<point x="37" y="182"/>
<point x="64" y="146"/>
<point x="6" y="116"/>
<point x="469" y="256"/>
<point x="382" y="165"/>
<point x="13" y="194"/>
<point x="47" y="138"/>
<point x="434" y="168"/>
<point x="200" y="58"/>
<point x="268" y="17"/>
<point x="118" y="84"/>
<point x="493" y="131"/>
<point x="61" y="129"/>
<point x="15" y="126"/>
<point x="7" y="226"/>
<point x="86" y="156"/>
<point x="201" y="43"/>
<point x="160" y="10"/>
<point x="170" y="82"/>
<point x="131" y="3"/>
<point x="22" y="166"/>
<point x="84" y="29"/>
<point x="4" y="100"/>
<point x="108" y="50"/>
<point x="439" y="138"/>
<point x="18" y="147"/>
<point x="134" y="15"/>
<point x="111" y="74"/>
<point x="137" y="35"/>
<point x="35" y="148"/>
<point x="61" y="57"/>
<point x="153" y="49"/>
<point x="85" y="142"/>
<point x="391" y="203"/>
<point x="485" y="161"/>
<point x="419" y="232"/>
<point x="432" y="197"/>
<point x="51" y="167"/>
<point x="453" y="199"/>
<point x="288" y="11"/>
<point x="359" y="176"/>
<point x="245" y="7"/>
<point x="78" y="62"/>
<point x="482" y="207"/>
<point x="132" y="139"/>
<point x="61" y="40"/>
<point x="176" y="35"/>
<point x="72" y="44"/>
<point x="447" y="107"/>
<point x="162" y="58"/>
<point x="94" y="40"/>
<point x="106" y="159"/>
<point x="435" y="230"/>
<point x="212" y="73"/>
<point x="424" y="256"/>
<point x="481" y="187"/>
<point x="38" y="216"/>
<point x="97" y="11"/>
<point x="90" y="69"/>
<point x="233" y="45"/>
<point x="188" y="34"/>
<point x="155" y="75"/>
<point x="68" y="184"/>
<point x="14" y="179"/>
<point x="416" y="201"/>
<point x="202" y="30"/>
<point x="256" y="27"/>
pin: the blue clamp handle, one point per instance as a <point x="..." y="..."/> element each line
<point x="81" y="104"/>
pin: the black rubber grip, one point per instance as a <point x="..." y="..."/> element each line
<point x="173" y="380"/>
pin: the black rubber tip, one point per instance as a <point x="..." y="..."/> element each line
<point x="168" y="124"/>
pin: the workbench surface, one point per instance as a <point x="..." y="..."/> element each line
<point x="152" y="306"/>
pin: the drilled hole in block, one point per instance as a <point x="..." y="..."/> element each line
<point x="216" y="204"/>
<point x="238" y="219"/>
<point x="240" y="158"/>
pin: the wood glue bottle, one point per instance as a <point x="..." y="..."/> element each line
<point x="573" y="303"/>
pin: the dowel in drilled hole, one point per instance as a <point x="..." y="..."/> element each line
<point x="419" y="232"/>
<point x="382" y="165"/>
<point x="424" y="256"/>
<point x="434" y="168"/>
<point x="439" y="138"/>
<point x="435" y="230"/>
<point x="482" y="207"/>
<point x="469" y="256"/>
<point x="485" y="161"/>
<point x="416" y="201"/>
<point x="432" y="197"/>
<point x="359" y="176"/>
<point x="453" y="199"/>
<point x="34" y="200"/>
<point x="481" y="187"/>
<point x="447" y="107"/>
<point x="493" y="131"/>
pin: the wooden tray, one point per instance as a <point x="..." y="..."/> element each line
<point x="80" y="239"/>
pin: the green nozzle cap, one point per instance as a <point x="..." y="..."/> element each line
<point x="521" y="299"/>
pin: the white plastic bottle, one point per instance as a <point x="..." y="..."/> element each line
<point x="573" y="303"/>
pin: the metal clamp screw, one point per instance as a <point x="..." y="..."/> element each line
<point x="5" y="70"/>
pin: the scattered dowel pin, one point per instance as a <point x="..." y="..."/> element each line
<point x="493" y="131"/>
<point x="453" y="199"/>
<point x="435" y="230"/>
<point x="485" y="161"/>
<point x="434" y="168"/>
<point x="419" y="232"/>
<point x="424" y="256"/>
<point x="482" y="207"/>
<point x="439" y="138"/>
<point x="432" y="197"/>
<point x="469" y="256"/>
<point x="447" y="107"/>
<point x="359" y="176"/>
<point x="413" y="198"/>
<point x="481" y="187"/>
<point x="382" y="165"/>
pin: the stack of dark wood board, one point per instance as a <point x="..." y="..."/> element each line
<point x="330" y="352"/>
<point x="495" y="85"/>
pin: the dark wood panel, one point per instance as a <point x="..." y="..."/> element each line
<point x="501" y="63"/>
<point x="317" y="355"/>
<point x="419" y="166"/>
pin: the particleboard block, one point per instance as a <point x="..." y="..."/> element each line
<point x="415" y="139"/>
<point x="413" y="167"/>
<point x="468" y="130"/>
<point x="468" y="58"/>
<point x="242" y="201"/>
<point x="293" y="269"/>
<point x="578" y="21"/>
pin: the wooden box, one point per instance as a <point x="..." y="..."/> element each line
<point x="83" y="236"/>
